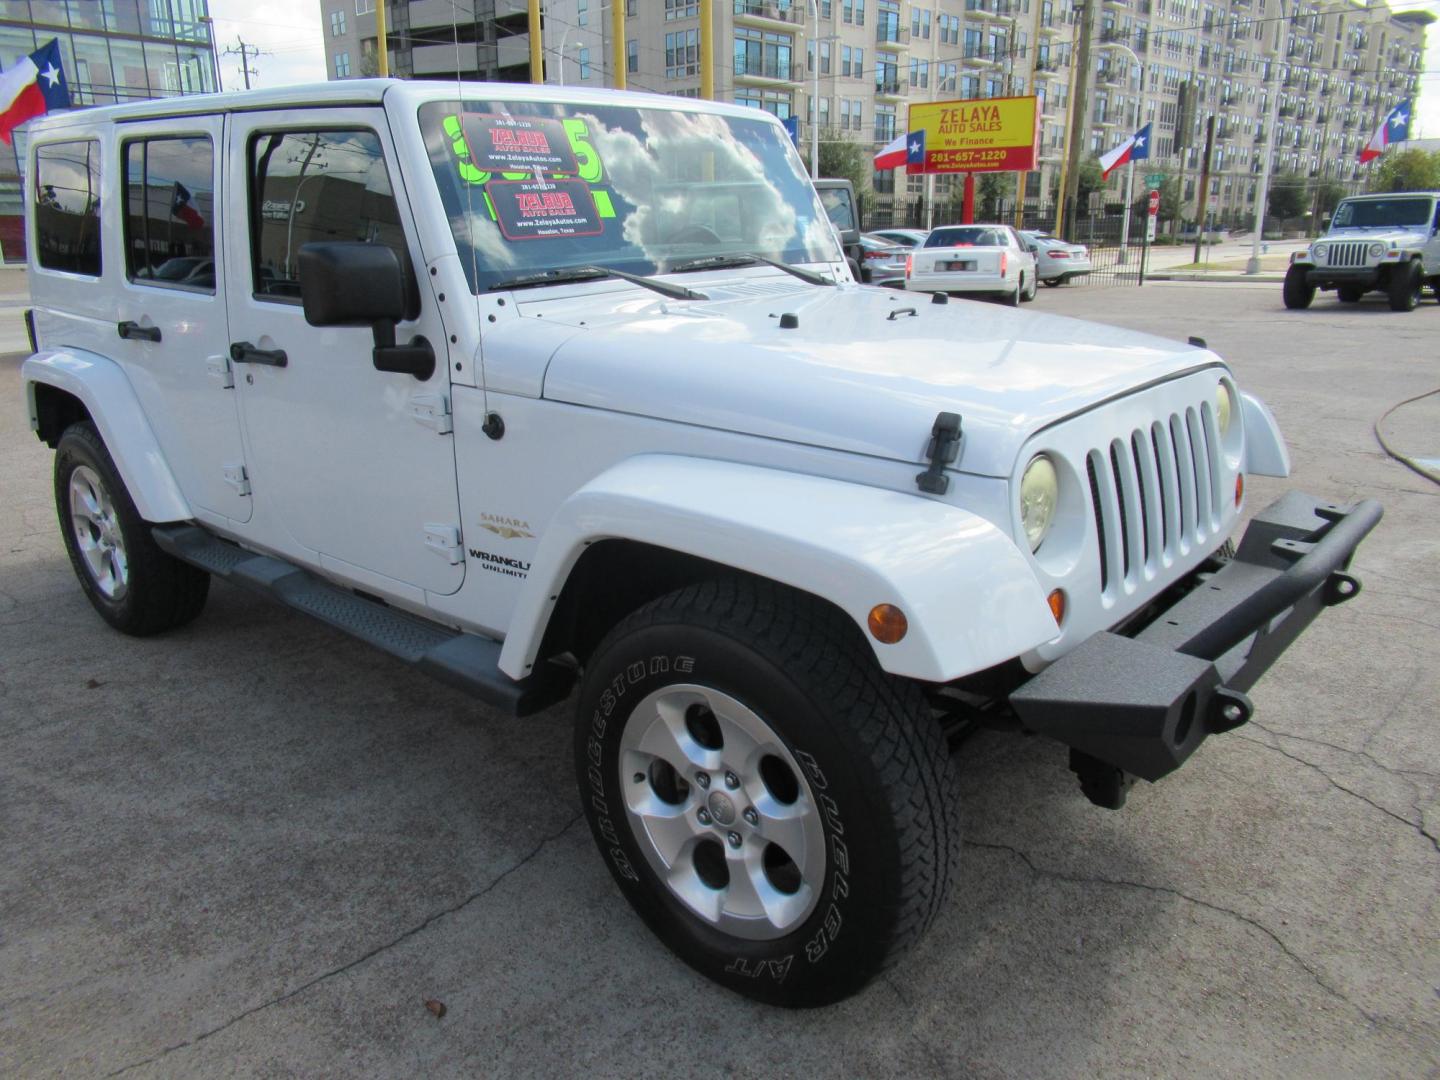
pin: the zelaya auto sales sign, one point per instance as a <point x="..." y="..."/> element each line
<point x="978" y="135"/>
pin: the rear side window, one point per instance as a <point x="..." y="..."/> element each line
<point x="67" y="207"/>
<point x="317" y="186"/>
<point x="170" y="212"/>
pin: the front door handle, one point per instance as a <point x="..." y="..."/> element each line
<point x="133" y="331"/>
<point x="242" y="352"/>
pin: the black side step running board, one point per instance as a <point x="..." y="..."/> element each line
<point x="466" y="661"/>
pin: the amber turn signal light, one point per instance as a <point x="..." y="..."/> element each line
<point x="887" y="623"/>
<point x="1056" y="600"/>
<point x="1239" y="487"/>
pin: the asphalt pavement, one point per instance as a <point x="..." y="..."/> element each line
<point x="255" y="847"/>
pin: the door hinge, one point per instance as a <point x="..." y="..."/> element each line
<point x="220" y="368"/>
<point x="444" y="540"/>
<point x="433" y="411"/>
<point x="237" y="478"/>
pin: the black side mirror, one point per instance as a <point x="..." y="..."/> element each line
<point x="358" y="284"/>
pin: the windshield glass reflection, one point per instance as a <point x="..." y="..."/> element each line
<point x="530" y="187"/>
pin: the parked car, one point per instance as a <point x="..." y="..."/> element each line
<point x="1056" y="261"/>
<point x="1389" y="243"/>
<point x="539" y="433"/>
<point x="838" y="198"/>
<point x="989" y="260"/>
<point x="883" y="263"/>
<point x="904" y="237"/>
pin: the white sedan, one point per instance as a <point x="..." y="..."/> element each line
<point x="986" y="259"/>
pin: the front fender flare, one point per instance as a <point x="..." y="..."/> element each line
<point x="1265" y="450"/>
<point x="968" y="593"/>
<point x="102" y="387"/>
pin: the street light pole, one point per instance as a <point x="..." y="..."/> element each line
<point x="1252" y="265"/>
<point x="1130" y="167"/>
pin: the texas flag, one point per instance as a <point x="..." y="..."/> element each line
<point x="908" y="150"/>
<point x="180" y="207"/>
<point x="1135" y="148"/>
<point x="1396" y="128"/>
<point x="34" y="86"/>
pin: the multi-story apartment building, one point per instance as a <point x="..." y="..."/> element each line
<point x="1330" y="71"/>
<point x="112" y="51"/>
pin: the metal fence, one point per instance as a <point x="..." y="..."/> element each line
<point x="1101" y="233"/>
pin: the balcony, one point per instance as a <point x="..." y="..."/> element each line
<point x="989" y="9"/>
<point x="769" y="12"/>
<point x="1050" y="27"/>
<point x="892" y="89"/>
<point x="767" y="71"/>
<point x="983" y="57"/>
<point x="892" y="35"/>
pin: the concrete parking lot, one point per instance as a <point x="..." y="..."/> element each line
<point x="255" y="847"/>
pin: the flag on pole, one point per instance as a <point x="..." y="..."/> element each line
<point x="1395" y="128"/>
<point x="180" y="207"/>
<point x="1135" y="148"/>
<point x="908" y="150"/>
<point x="32" y="87"/>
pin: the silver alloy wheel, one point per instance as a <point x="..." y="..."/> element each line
<point x="722" y="811"/>
<point x="97" y="533"/>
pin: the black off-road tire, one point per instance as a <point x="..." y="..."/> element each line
<point x="875" y="763"/>
<point x="1349" y="294"/>
<point x="161" y="592"/>
<point x="1297" y="293"/>
<point x="1405" y="286"/>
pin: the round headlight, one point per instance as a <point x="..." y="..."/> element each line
<point x="1224" y="408"/>
<point x="1376" y="250"/>
<point x="1318" y="250"/>
<point x="1039" y="494"/>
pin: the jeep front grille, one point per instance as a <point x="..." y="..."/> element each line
<point x="1155" y="495"/>
<point x="1345" y="254"/>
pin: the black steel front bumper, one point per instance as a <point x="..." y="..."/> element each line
<point x="1367" y="278"/>
<point x="1142" y="702"/>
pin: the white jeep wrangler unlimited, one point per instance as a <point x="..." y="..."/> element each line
<point x="1389" y="243"/>
<point x="536" y="387"/>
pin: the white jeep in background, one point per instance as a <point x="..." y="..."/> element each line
<point x="540" y="388"/>
<point x="1389" y="243"/>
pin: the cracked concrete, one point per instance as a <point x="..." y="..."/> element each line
<point x="256" y="848"/>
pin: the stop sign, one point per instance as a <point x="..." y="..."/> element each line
<point x="1154" y="202"/>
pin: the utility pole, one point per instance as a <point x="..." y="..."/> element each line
<point x="1079" y="113"/>
<point x="707" y="52"/>
<point x="537" y="43"/>
<point x="1204" y="185"/>
<point x="244" y="52"/>
<point x="382" y="45"/>
<point x="617" y="43"/>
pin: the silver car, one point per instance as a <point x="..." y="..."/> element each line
<point x="1056" y="261"/>
<point x="883" y="262"/>
<point x="904" y="237"/>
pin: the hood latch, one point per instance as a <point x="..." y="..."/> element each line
<point x="943" y="450"/>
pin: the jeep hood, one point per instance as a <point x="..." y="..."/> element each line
<point x="865" y="371"/>
<point x="1397" y="235"/>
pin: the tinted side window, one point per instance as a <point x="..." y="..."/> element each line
<point x="67" y="207"/>
<point x="170" y="212"/>
<point x="309" y="187"/>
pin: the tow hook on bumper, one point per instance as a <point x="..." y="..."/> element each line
<point x="1142" y="704"/>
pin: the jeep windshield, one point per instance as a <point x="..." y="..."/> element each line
<point x="535" y="187"/>
<point x="1382" y="213"/>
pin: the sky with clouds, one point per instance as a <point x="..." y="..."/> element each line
<point x="289" y="35"/>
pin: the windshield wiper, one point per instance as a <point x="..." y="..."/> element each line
<point x="596" y="273"/>
<point x="749" y="258"/>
